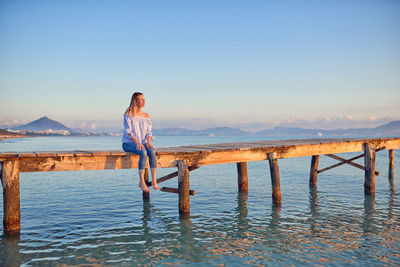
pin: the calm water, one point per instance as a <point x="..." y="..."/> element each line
<point x="98" y="217"/>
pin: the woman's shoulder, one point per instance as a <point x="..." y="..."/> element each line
<point x="142" y="115"/>
<point x="146" y="115"/>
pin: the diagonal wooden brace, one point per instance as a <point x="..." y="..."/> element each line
<point x="172" y="175"/>
<point x="348" y="161"/>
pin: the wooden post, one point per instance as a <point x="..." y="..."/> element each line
<point x="275" y="179"/>
<point x="146" y="195"/>
<point x="242" y="176"/>
<point x="314" y="170"/>
<point x="369" y="160"/>
<point x="183" y="187"/>
<point x="391" y="165"/>
<point x="11" y="197"/>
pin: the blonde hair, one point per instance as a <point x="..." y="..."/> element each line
<point x="131" y="110"/>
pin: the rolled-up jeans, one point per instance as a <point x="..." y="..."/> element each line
<point x="131" y="147"/>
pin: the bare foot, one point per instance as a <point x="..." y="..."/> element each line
<point x="155" y="186"/>
<point x="144" y="188"/>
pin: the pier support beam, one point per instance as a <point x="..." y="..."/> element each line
<point x="391" y="166"/>
<point x="369" y="160"/>
<point x="183" y="187"/>
<point x="242" y="176"/>
<point x="275" y="179"/>
<point x="314" y="170"/>
<point x="146" y="195"/>
<point x="9" y="172"/>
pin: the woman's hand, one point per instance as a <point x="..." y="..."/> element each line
<point x="151" y="146"/>
<point x="139" y="146"/>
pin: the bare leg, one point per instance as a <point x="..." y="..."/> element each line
<point x="142" y="183"/>
<point x="154" y="179"/>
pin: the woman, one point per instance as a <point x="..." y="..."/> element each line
<point x="137" y="138"/>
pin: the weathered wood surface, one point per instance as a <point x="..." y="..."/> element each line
<point x="314" y="170"/>
<point x="171" y="175"/>
<point x="391" y="165"/>
<point x="146" y="195"/>
<point x="9" y="175"/>
<point x="175" y="190"/>
<point x="369" y="160"/>
<point x="242" y="176"/>
<point x="275" y="179"/>
<point x="183" y="187"/>
<point x="344" y="161"/>
<point x="194" y="155"/>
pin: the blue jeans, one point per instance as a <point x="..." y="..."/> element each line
<point x="131" y="147"/>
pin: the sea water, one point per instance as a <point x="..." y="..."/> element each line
<point x="96" y="218"/>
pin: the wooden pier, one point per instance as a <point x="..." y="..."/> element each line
<point x="188" y="158"/>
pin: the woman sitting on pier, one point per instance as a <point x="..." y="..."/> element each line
<point x="137" y="138"/>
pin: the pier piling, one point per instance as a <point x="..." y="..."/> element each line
<point x="369" y="160"/>
<point x="11" y="195"/>
<point x="275" y="179"/>
<point x="242" y="176"/>
<point x="183" y="187"/>
<point x="314" y="170"/>
<point x="146" y="195"/>
<point x="391" y="166"/>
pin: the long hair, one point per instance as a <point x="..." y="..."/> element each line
<point x="131" y="110"/>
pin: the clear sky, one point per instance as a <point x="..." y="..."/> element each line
<point x="236" y="61"/>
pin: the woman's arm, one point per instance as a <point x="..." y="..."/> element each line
<point x="149" y="135"/>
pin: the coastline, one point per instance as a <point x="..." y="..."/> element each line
<point x="3" y="137"/>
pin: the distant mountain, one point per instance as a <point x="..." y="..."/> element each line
<point x="218" y="131"/>
<point x="43" y="124"/>
<point x="389" y="129"/>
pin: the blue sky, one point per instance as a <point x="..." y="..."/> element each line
<point x="227" y="61"/>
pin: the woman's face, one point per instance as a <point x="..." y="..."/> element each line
<point x="140" y="101"/>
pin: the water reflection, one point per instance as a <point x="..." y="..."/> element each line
<point x="242" y="211"/>
<point x="314" y="208"/>
<point x="12" y="256"/>
<point x="369" y="212"/>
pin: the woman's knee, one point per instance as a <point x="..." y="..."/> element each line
<point x="143" y="153"/>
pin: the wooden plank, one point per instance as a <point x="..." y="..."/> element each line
<point x="175" y="190"/>
<point x="120" y="153"/>
<point x="8" y="155"/>
<point x="314" y="170"/>
<point x="27" y="155"/>
<point x="122" y="160"/>
<point x="82" y="153"/>
<point x="183" y="187"/>
<point x="46" y="154"/>
<point x="11" y="195"/>
<point x="170" y="160"/>
<point x="172" y="175"/>
<point x="275" y="180"/>
<point x="101" y="153"/>
<point x="242" y="176"/>
<point x="369" y="159"/>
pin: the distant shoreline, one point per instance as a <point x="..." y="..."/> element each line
<point x="3" y="137"/>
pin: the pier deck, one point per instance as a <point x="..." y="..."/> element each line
<point x="187" y="158"/>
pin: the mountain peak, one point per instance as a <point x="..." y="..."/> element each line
<point x="43" y="124"/>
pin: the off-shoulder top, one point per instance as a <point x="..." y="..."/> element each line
<point x="139" y="127"/>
